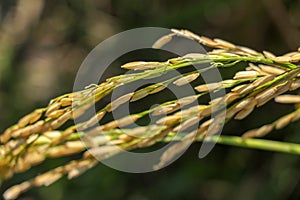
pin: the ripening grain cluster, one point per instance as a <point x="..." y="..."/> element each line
<point x="39" y="135"/>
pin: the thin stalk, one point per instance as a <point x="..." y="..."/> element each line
<point x="267" y="145"/>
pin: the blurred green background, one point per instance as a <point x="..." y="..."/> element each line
<point x="42" y="44"/>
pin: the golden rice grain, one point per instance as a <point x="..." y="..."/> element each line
<point x="15" y="191"/>
<point x="66" y="101"/>
<point x="186" y="79"/>
<point x="34" y="158"/>
<point x="186" y="124"/>
<point x="282" y="59"/>
<point x="24" y="121"/>
<point x="207" y="41"/>
<point x="124" y="138"/>
<point x="174" y="150"/>
<point x="48" y="178"/>
<point x="207" y="123"/>
<point x="32" y="138"/>
<point x="94" y="120"/>
<point x="232" y="96"/>
<point x="119" y="101"/>
<point x="291" y="54"/>
<point x="102" y="152"/>
<point x="157" y="88"/>
<point x="56" y="114"/>
<point x="262" y="131"/>
<point x="269" y="55"/>
<point x="193" y="56"/>
<point x="187" y="100"/>
<point x="168" y="120"/>
<point x="163" y="41"/>
<point x="166" y="109"/>
<point x="271" y="70"/>
<point x="239" y="88"/>
<point x="61" y="120"/>
<point x="288" y="99"/>
<point x="265" y="96"/>
<point x="225" y="44"/>
<point x="246" y="75"/>
<point x="191" y="35"/>
<point x="139" y="95"/>
<point x="284" y="121"/>
<point x="52" y="134"/>
<point x="214" y="128"/>
<point x="256" y="83"/>
<point x="263" y="80"/>
<point x="78" y="111"/>
<point x="295" y="85"/>
<point x="246" y="111"/>
<point x="52" y="108"/>
<point x="253" y="67"/>
<point x="28" y="130"/>
<point x="208" y="87"/>
<point x="296" y="57"/>
<point x="127" y="120"/>
<point x="59" y="151"/>
<point x="94" y="141"/>
<point x="244" y="103"/>
<point x="205" y="111"/>
<point x="36" y="115"/>
<point x="139" y="132"/>
<point x="134" y="65"/>
<point x="216" y="101"/>
<point x="248" y="50"/>
<point x="81" y="167"/>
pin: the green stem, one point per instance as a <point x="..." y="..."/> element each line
<point x="267" y="145"/>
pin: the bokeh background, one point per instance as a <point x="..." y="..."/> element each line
<point x="42" y="44"/>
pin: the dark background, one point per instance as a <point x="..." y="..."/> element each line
<point x="42" y="44"/>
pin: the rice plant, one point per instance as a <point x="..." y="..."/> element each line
<point x="46" y="133"/>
